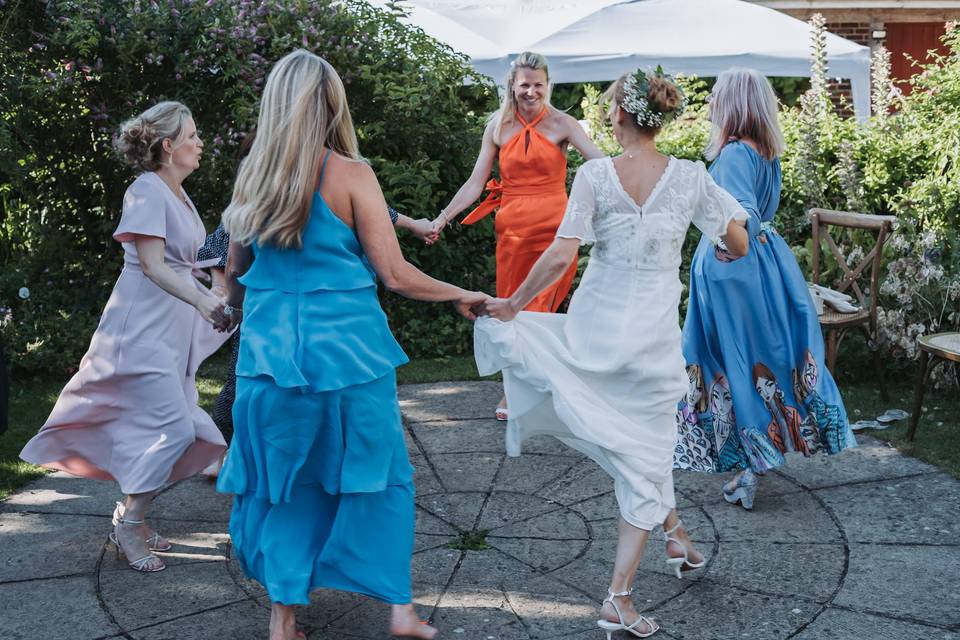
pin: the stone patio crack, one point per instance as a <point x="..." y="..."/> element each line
<point x="846" y="555"/>
<point x="426" y="458"/>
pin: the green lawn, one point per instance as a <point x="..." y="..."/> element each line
<point x="937" y="442"/>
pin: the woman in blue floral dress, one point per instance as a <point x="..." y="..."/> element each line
<point x="752" y="341"/>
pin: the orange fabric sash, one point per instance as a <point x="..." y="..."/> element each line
<point x="496" y="192"/>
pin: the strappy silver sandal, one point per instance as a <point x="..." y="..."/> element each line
<point x="154" y="542"/>
<point x="610" y="627"/>
<point x="681" y="563"/>
<point x="148" y="563"/>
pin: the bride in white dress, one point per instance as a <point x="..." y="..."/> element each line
<point x="605" y="378"/>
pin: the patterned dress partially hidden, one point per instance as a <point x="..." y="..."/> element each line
<point x="216" y="247"/>
<point x="757" y="387"/>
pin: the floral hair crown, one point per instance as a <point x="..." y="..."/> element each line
<point x="636" y="89"/>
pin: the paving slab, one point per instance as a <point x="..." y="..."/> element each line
<point x="434" y="567"/>
<point x="531" y="472"/>
<point x="460" y="510"/>
<point x="917" y="582"/>
<point x="706" y="488"/>
<point x="797" y="517"/>
<point x="838" y="624"/>
<point x="460" y="436"/>
<point x="61" y="492"/>
<point x="137" y="599"/>
<point x="195" y="499"/>
<point x="584" y="480"/>
<point x="239" y="621"/>
<point x="804" y="570"/>
<point x="915" y="510"/>
<point x="64" y="608"/>
<point x="26" y="541"/>
<point x="424" y="478"/>
<point x="872" y="459"/>
<point x="466" y="471"/>
<point x="709" y="611"/>
<point x="444" y="401"/>
<point x="862" y="544"/>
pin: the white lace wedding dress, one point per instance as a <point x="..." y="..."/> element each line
<point x="605" y="378"/>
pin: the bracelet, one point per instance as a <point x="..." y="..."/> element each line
<point x="394" y="214"/>
<point x="443" y="214"/>
<point x="228" y="310"/>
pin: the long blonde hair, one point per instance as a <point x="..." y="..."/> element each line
<point x="304" y="109"/>
<point x="743" y="105"/>
<point x="508" y="108"/>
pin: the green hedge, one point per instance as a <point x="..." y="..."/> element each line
<point x="74" y="69"/>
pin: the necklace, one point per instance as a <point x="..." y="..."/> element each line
<point x="629" y="153"/>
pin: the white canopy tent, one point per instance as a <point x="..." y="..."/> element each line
<point x="597" y="40"/>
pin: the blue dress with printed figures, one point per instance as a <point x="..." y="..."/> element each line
<point x="752" y="341"/>
<point x="323" y="490"/>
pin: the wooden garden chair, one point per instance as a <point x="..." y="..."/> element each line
<point x="861" y="281"/>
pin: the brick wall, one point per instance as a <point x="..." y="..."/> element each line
<point x="861" y="33"/>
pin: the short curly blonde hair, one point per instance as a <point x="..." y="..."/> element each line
<point x="140" y="140"/>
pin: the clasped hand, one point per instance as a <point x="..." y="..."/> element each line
<point x="500" y="308"/>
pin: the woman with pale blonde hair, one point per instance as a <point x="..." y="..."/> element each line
<point x="754" y="313"/>
<point x="529" y="138"/>
<point x="323" y="490"/>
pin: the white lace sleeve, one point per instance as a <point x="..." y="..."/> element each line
<point x="715" y="208"/>
<point x="578" y="220"/>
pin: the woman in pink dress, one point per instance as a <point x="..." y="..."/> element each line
<point x="130" y="413"/>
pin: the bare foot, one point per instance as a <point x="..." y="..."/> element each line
<point x="405" y="623"/>
<point x="283" y="623"/>
<point x="629" y="613"/>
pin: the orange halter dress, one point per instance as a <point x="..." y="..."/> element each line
<point x="531" y="198"/>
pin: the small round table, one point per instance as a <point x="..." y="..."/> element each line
<point x="946" y="347"/>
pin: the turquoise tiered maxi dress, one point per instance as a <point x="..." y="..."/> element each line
<point x="318" y="466"/>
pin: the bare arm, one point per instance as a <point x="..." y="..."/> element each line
<point x="736" y="238"/>
<point x="548" y="267"/>
<point x="150" y="251"/>
<point x="239" y="259"/>
<point x="473" y="187"/>
<point x="583" y="143"/>
<point x="382" y="249"/>
<point x="421" y="227"/>
<point x="219" y="286"/>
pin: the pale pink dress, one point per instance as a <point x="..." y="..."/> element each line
<point x="130" y="413"/>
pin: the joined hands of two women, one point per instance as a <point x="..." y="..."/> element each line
<point x="477" y="303"/>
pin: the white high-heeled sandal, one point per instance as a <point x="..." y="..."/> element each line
<point x="682" y="563"/>
<point x="154" y="542"/>
<point x="143" y="565"/>
<point x="610" y="627"/>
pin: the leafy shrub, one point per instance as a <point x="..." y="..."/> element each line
<point x="74" y="69"/>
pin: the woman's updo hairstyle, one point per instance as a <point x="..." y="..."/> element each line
<point x="651" y="97"/>
<point x="140" y="142"/>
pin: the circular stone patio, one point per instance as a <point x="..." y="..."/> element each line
<point x="865" y="544"/>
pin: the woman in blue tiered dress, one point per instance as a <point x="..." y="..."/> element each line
<point x="318" y="465"/>
<point x="758" y="387"/>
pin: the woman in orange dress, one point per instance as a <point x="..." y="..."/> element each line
<point x="529" y="137"/>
